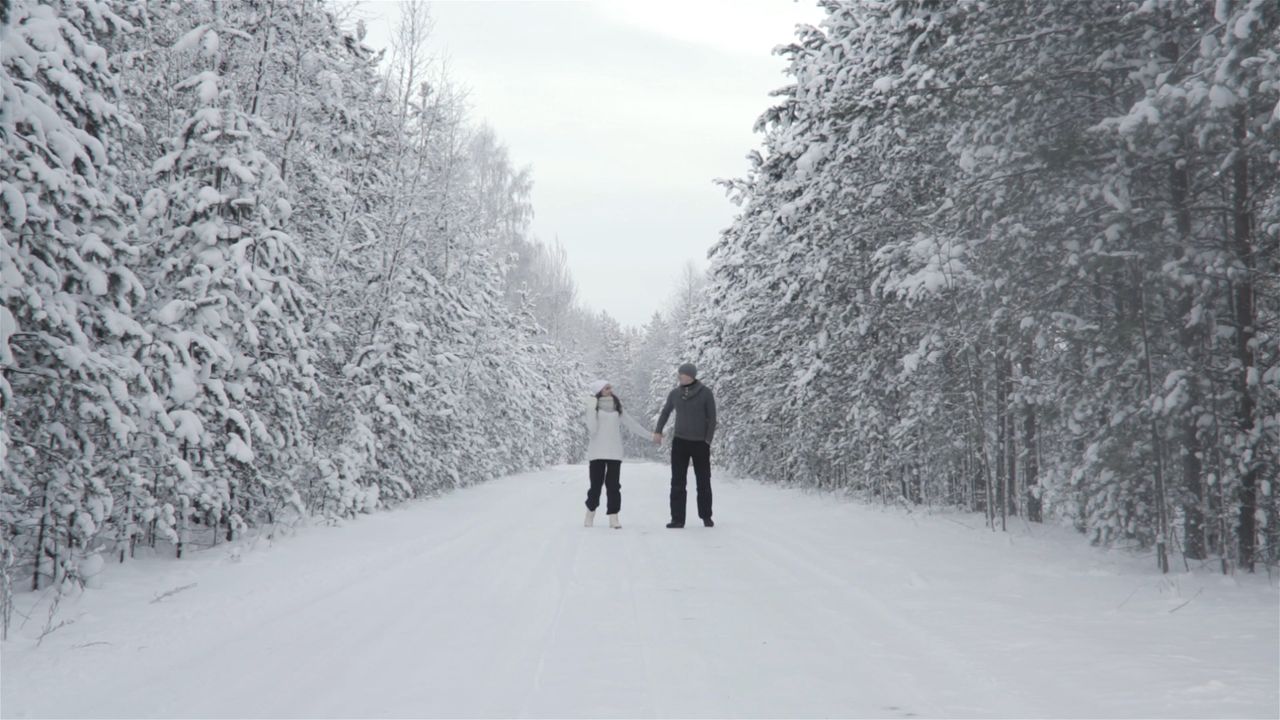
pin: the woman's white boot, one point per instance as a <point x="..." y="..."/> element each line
<point x="591" y="519"/>
<point x="613" y="522"/>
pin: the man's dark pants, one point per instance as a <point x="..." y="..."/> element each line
<point x="682" y="452"/>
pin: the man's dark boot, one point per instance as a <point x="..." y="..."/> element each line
<point x="707" y="522"/>
<point x="673" y="524"/>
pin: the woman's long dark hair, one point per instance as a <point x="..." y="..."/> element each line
<point x="617" y="401"/>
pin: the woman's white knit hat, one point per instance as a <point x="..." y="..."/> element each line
<point x="595" y="386"/>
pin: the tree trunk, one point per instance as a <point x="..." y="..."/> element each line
<point x="1157" y="446"/>
<point x="1010" y="448"/>
<point x="1004" y="456"/>
<point x="231" y="501"/>
<point x="1243" y="290"/>
<point x="44" y="520"/>
<point x="979" y="425"/>
<point x="1193" y="545"/>
<point x="1031" y="463"/>
<point x="262" y="63"/>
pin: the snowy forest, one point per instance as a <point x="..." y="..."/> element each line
<point x="1017" y="258"/>
<point x="1020" y="258"/>
<point x="255" y="271"/>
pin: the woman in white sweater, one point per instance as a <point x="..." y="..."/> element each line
<point x="605" y="419"/>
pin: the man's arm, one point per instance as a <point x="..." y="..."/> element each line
<point x="711" y="414"/>
<point x="666" y="412"/>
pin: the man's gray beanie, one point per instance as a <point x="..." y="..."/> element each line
<point x="689" y="369"/>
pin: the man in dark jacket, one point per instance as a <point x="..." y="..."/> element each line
<point x="695" y="408"/>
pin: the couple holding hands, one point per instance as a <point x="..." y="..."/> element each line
<point x="695" y="425"/>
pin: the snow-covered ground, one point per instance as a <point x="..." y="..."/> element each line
<point x="495" y="601"/>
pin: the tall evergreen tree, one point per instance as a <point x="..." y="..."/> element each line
<point x="72" y="392"/>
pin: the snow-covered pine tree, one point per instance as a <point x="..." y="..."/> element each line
<point x="227" y="312"/>
<point x="71" y="387"/>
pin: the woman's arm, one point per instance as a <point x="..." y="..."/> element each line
<point x="634" y="426"/>
<point x="590" y="417"/>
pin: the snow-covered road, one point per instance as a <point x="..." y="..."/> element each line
<point x="494" y="601"/>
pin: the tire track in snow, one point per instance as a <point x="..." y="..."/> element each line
<point x="638" y="626"/>
<point x="566" y="578"/>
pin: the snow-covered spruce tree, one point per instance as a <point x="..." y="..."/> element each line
<point x="1236" y="86"/>
<point x="544" y="291"/>
<point x="229" y="356"/>
<point x="351" y="155"/>
<point x="399" y="318"/>
<point x="651" y="367"/>
<point x="517" y="381"/>
<point x="544" y="286"/>
<point x="70" y="391"/>
<point x="794" y="273"/>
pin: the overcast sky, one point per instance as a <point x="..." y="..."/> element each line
<point x="627" y="111"/>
